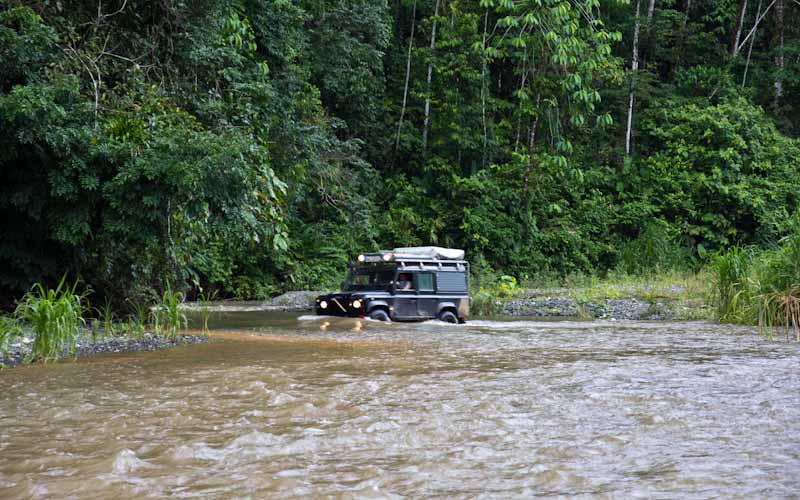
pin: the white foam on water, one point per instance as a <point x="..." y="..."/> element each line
<point x="196" y="451"/>
<point x="251" y="440"/>
<point x="437" y="322"/>
<point x="310" y="317"/>
<point x="542" y="325"/>
<point x="126" y="462"/>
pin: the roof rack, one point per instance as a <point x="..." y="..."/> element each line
<point x="414" y="254"/>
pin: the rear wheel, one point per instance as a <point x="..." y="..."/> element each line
<point x="448" y="317"/>
<point x="379" y="315"/>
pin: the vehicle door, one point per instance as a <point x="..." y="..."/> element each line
<point x="426" y="296"/>
<point x="405" y="296"/>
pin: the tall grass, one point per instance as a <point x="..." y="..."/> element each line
<point x="137" y="321"/>
<point x="55" y="316"/>
<point x="733" y="287"/>
<point x="205" y="311"/>
<point x="167" y="315"/>
<point x="761" y="287"/>
<point x="779" y="304"/>
<point x="782" y="311"/>
<point x="108" y="318"/>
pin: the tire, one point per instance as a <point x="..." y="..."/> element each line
<point x="448" y="317"/>
<point x="379" y="315"/>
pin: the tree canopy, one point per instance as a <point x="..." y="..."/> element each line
<point x="256" y="145"/>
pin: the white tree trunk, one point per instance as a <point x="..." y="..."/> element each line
<point x="531" y="142"/>
<point x="428" y="84"/>
<point x="779" y="58"/>
<point x="752" y="40"/>
<point x="686" y="12"/>
<point x="408" y="76"/>
<point x="755" y="25"/>
<point x="483" y="87"/>
<point x="737" y="32"/>
<point x="634" y="69"/>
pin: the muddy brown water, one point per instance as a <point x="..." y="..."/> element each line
<point x="282" y="405"/>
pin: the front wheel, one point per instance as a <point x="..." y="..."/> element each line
<point x="448" y="317"/>
<point x="379" y="315"/>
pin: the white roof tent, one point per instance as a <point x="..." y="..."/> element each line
<point x="413" y="254"/>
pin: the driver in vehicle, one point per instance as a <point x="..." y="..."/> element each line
<point x="405" y="281"/>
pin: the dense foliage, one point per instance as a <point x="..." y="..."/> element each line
<point x="255" y="145"/>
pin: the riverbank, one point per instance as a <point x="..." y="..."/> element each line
<point x="612" y="309"/>
<point x="19" y="350"/>
<point x="620" y="302"/>
<point x="634" y="302"/>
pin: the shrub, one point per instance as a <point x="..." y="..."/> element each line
<point x="657" y="249"/>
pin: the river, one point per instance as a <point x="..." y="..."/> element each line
<point x="288" y="406"/>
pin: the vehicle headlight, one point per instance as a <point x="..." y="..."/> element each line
<point x="361" y="258"/>
<point x="356" y="304"/>
<point x="387" y="257"/>
<point x="323" y="305"/>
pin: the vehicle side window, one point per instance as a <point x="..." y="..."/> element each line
<point x="425" y="282"/>
<point x="450" y="282"/>
<point x="404" y="281"/>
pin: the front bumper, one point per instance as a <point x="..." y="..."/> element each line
<point x="339" y="306"/>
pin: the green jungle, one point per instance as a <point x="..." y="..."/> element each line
<point x="243" y="148"/>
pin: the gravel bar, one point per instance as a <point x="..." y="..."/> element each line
<point x="20" y="348"/>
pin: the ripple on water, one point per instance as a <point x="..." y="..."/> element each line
<point x="493" y="409"/>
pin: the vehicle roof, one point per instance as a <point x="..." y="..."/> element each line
<point x="410" y="263"/>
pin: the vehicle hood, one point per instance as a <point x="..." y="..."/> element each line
<point x="348" y="296"/>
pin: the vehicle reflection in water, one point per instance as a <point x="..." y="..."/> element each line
<point x="282" y="405"/>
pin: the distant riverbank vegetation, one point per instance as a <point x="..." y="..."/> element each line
<point x="249" y="147"/>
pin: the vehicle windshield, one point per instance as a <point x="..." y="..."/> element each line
<point x="369" y="279"/>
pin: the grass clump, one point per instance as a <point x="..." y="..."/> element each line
<point x="107" y="315"/>
<point x="205" y="311"/>
<point x="733" y="286"/>
<point x="760" y="287"/>
<point x="55" y="315"/>
<point x="167" y="315"/>
<point x="137" y="320"/>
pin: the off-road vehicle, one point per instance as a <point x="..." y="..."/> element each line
<point x="404" y="284"/>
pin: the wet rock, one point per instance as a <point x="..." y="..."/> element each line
<point x="614" y="309"/>
<point x="624" y="309"/>
<point x="542" y="306"/>
<point x="295" y="300"/>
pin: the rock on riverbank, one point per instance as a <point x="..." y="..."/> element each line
<point x="20" y="348"/>
<point x="295" y="301"/>
<point x="620" y="309"/>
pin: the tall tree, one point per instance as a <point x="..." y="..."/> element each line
<point x="408" y="76"/>
<point x="737" y="30"/>
<point x="778" y="47"/>
<point x="426" y="119"/>
<point x="634" y="69"/>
